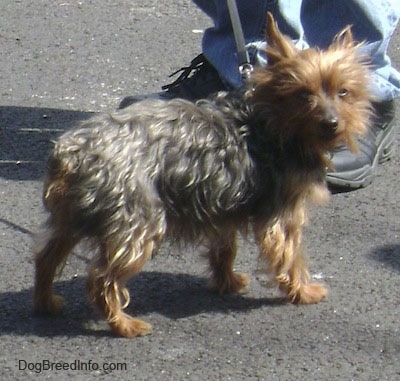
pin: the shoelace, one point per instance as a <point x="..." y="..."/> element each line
<point x="195" y="65"/>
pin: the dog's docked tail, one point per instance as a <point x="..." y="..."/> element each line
<point x="62" y="167"/>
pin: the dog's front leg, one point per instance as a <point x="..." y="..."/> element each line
<point x="280" y="249"/>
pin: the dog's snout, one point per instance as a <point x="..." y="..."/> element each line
<point x="329" y="122"/>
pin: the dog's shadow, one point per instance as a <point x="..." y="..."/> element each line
<point x="389" y="255"/>
<point x="174" y="296"/>
<point x="26" y="135"/>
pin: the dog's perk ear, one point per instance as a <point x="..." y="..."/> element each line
<point x="278" y="46"/>
<point x="344" y="39"/>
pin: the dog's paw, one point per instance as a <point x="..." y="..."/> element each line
<point x="49" y="305"/>
<point x="309" y="293"/>
<point x="235" y="283"/>
<point x="128" y="327"/>
<point x="239" y="283"/>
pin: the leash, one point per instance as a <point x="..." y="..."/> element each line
<point x="244" y="65"/>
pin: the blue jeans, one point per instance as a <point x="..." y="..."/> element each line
<point x="308" y="23"/>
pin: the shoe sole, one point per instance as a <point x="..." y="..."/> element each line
<point x="362" y="177"/>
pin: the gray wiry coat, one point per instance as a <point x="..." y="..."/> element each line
<point x="165" y="161"/>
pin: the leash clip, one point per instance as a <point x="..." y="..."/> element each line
<point x="246" y="71"/>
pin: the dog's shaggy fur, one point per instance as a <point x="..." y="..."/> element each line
<point x="200" y="172"/>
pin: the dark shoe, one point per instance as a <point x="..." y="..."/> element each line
<point x="352" y="171"/>
<point x="197" y="81"/>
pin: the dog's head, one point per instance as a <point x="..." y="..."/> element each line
<point x="320" y="98"/>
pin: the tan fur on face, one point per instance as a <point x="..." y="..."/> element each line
<point x="310" y="82"/>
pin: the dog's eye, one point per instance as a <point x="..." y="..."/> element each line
<point x="342" y="93"/>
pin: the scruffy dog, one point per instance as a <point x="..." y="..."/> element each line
<point x="201" y="172"/>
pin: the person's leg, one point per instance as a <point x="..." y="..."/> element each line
<point x="216" y="68"/>
<point x="218" y="44"/>
<point x="287" y="16"/>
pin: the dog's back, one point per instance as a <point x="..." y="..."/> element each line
<point x="190" y="160"/>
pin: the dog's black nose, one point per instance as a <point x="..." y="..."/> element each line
<point x="330" y="124"/>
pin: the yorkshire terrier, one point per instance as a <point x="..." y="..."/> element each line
<point x="200" y="172"/>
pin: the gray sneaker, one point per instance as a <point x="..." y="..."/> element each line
<point x="356" y="170"/>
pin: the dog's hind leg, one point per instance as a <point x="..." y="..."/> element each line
<point x="109" y="272"/>
<point x="280" y="246"/>
<point x="51" y="254"/>
<point x="221" y="256"/>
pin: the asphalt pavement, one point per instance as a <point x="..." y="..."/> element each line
<point x="63" y="60"/>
